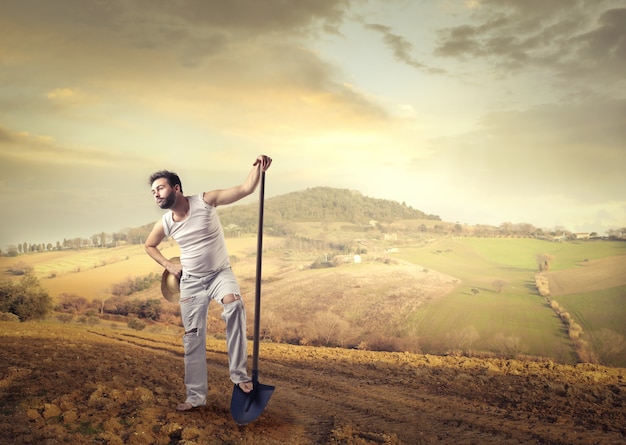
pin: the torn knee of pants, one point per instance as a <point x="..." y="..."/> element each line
<point x="231" y="298"/>
<point x="192" y="331"/>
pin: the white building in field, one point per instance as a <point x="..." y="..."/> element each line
<point x="356" y="259"/>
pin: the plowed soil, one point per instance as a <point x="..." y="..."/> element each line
<point x="98" y="385"/>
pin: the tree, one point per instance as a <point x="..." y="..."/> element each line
<point x="506" y="228"/>
<point x="462" y="340"/>
<point x="608" y="344"/>
<point x="499" y="285"/>
<point x="150" y="309"/>
<point x="544" y="260"/>
<point x="72" y="303"/>
<point x="25" y="298"/>
<point x="509" y="346"/>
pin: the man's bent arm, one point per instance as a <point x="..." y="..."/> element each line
<point x="151" y="245"/>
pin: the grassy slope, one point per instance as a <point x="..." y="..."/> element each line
<point x="517" y="311"/>
<point x="602" y="317"/>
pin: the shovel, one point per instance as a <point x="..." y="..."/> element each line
<point x="246" y="407"/>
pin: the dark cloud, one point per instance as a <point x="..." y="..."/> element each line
<point x="115" y="47"/>
<point x="157" y="23"/>
<point x="190" y="31"/>
<point x="572" y="38"/>
<point x="402" y="49"/>
<point x="605" y="45"/>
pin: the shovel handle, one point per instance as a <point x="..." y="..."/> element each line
<point x="257" y="293"/>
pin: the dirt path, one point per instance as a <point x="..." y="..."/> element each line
<point x="62" y="385"/>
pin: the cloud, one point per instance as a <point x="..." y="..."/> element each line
<point x="472" y="4"/>
<point x="228" y="64"/>
<point x="402" y="49"/>
<point x="604" y="47"/>
<point x="573" y="38"/>
<point x="69" y="97"/>
<point x="27" y="150"/>
<point x="193" y="26"/>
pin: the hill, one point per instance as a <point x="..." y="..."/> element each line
<point x="109" y="385"/>
<point x="311" y="205"/>
<point x="321" y="204"/>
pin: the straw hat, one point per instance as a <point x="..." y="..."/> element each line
<point x="170" y="285"/>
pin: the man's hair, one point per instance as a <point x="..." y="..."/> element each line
<point x="172" y="178"/>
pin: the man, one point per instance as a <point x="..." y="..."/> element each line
<point x="204" y="272"/>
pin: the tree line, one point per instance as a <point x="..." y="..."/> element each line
<point x="135" y="235"/>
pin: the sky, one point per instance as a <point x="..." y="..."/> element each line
<point x="479" y="111"/>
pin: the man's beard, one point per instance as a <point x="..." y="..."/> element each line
<point x="168" y="202"/>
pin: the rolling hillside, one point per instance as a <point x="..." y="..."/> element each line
<point x="432" y="296"/>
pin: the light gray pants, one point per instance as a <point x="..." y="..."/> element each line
<point x="195" y="295"/>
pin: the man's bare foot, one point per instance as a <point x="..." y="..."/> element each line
<point x="184" y="407"/>
<point x="246" y="387"/>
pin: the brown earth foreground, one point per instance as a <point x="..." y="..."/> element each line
<point x="98" y="385"/>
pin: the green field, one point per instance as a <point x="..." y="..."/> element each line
<point x="601" y="315"/>
<point x="517" y="317"/>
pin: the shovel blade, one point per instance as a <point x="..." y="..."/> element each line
<point x="246" y="407"/>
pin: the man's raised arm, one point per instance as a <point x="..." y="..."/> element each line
<point x="233" y="194"/>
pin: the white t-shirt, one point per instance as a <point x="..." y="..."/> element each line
<point x="200" y="238"/>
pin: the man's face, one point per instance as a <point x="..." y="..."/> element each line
<point x="163" y="193"/>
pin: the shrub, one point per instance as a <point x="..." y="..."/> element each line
<point x="322" y="265"/>
<point x="131" y="286"/>
<point x="19" y="268"/>
<point x="508" y="346"/>
<point x="136" y="324"/>
<point x="25" y="298"/>
<point x="7" y="316"/>
<point x="65" y="318"/>
<point x="542" y="284"/>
